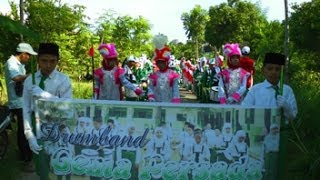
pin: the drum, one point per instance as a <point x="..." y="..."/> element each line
<point x="214" y="94"/>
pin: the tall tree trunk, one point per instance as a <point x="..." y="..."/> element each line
<point x="21" y="6"/>
<point x="197" y="49"/>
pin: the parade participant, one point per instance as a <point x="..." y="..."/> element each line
<point x="233" y="80"/>
<point x="173" y="64"/>
<point x="211" y="81"/>
<point x="200" y="80"/>
<point x="271" y="152"/>
<point x="129" y="67"/>
<point x="238" y="149"/>
<point x="164" y="83"/>
<point x="110" y="77"/>
<point x="187" y="73"/>
<point x="141" y="75"/>
<point x="49" y="83"/>
<point x="15" y="74"/>
<point x="247" y="64"/>
<point x="267" y="92"/>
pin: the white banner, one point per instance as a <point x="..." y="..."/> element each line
<point x="142" y="140"/>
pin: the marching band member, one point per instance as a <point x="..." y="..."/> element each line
<point x="247" y="64"/>
<point x="110" y="77"/>
<point x="164" y="83"/>
<point x="233" y="80"/>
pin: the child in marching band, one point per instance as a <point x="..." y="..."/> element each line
<point x="110" y="77"/>
<point x="164" y="83"/>
<point x="233" y="80"/>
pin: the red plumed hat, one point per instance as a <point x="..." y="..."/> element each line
<point x="162" y="51"/>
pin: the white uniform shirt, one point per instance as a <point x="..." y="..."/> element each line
<point x="13" y="68"/>
<point x="196" y="152"/>
<point x="57" y="84"/>
<point x="131" y="78"/>
<point x="263" y="94"/>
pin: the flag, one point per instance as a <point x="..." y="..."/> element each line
<point x="91" y="52"/>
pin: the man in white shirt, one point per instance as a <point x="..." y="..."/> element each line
<point x="49" y="83"/>
<point x="15" y="74"/>
<point x="265" y="93"/>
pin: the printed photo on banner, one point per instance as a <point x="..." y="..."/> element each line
<point x="136" y="140"/>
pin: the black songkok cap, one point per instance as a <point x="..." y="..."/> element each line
<point x="48" y="48"/>
<point x="274" y="58"/>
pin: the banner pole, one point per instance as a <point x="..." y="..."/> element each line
<point x="92" y="66"/>
<point x="283" y="135"/>
<point x="283" y="124"/>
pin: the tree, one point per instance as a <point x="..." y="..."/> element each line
<point x="238" y="21"/>
<point x="305" y="26"/>
<point x="51" y="18"/>
<point x="194" y="23"/>
<point x="131" y="35"/>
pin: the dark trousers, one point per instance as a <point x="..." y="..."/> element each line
<point x="23" y="145"/>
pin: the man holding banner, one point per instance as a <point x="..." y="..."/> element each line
<point x="47" y="82"/>
<point x="273" y="93"/>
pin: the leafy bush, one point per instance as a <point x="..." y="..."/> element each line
<point x="304" y="140"/>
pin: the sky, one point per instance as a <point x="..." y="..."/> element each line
<point x="163" y="15"/>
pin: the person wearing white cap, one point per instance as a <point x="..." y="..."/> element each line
<point x="211" y="81"/>
<point x="130" y="95"/>
<point x="247" y="64"/>
<point x="15" y="74"/>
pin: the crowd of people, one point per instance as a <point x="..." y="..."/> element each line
<point x="225" y="78"/>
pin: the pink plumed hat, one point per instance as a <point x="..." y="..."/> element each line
<point x="231" y="49"/>
<point x="108" y="50"/>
